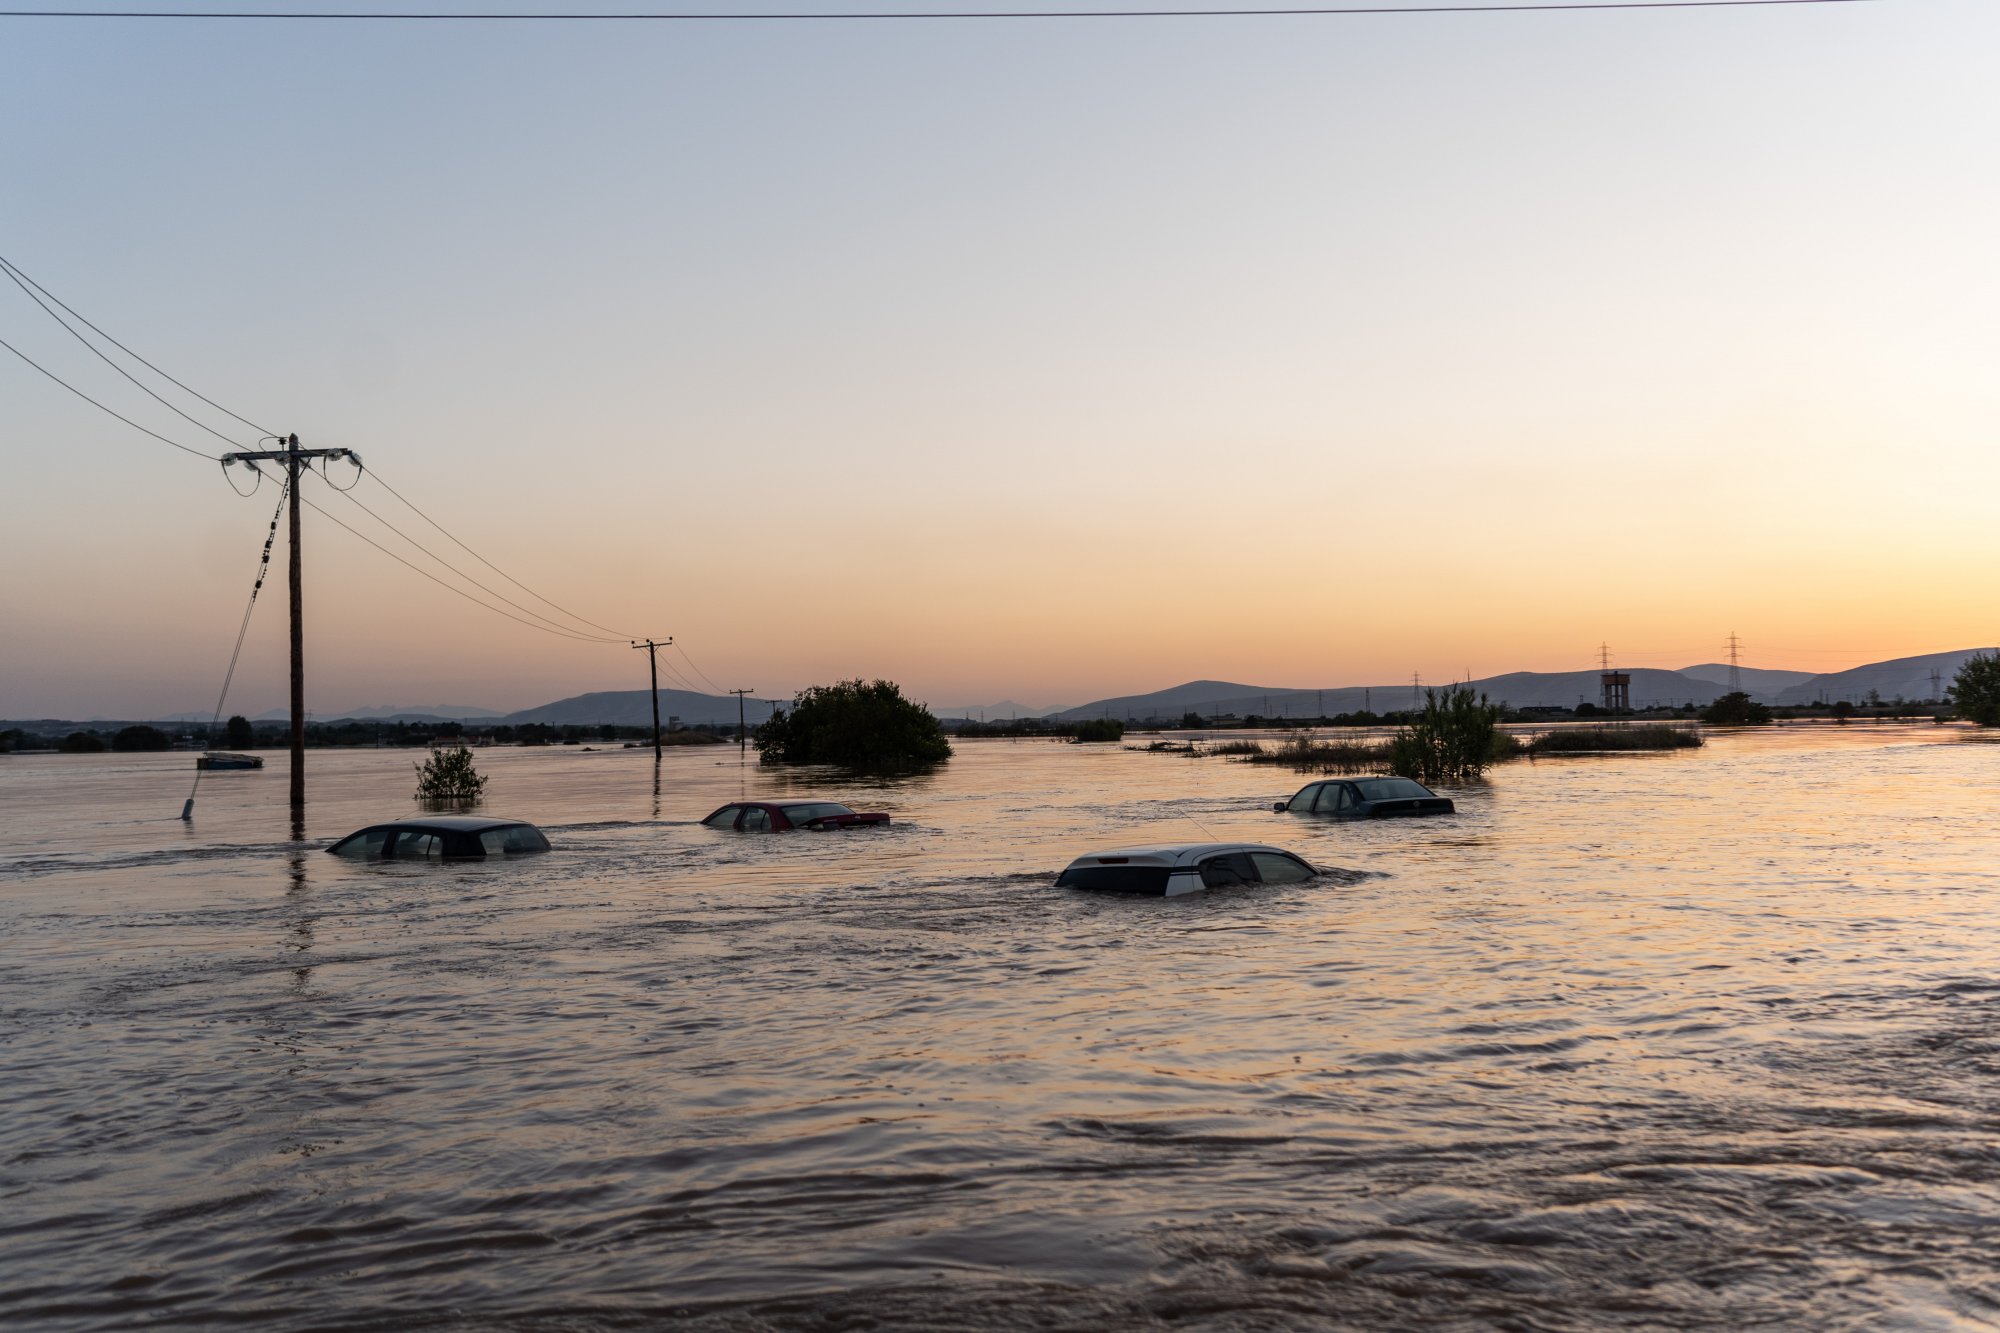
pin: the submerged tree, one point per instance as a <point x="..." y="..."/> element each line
<point x="448" y="775"/>
<point x="855" y="724"/>
<point x="1975" y="691"/>
<point x="1736" y="710"/>
<point x="237" y="733"/>
<point x="1455" y="739"/>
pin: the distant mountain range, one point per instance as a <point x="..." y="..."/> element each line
<point x="1922" y="677"/>
<point x="1904" y="677"/>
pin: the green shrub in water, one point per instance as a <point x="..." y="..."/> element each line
<point x="1975" y="691"/>
<point x="868" y="726"/>
<point x="448" y="775"/>
<point x="1456" y="738"/>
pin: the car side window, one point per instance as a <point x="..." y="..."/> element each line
<point x="413" y="843"/>
<point x="1277" y="868"/>
<point x="723" y="818"/>
<point x="1229" y="868"/>
<point x="756" y="819"/>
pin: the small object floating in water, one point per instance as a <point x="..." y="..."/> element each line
<point x="778" y="816"/>
<point x="1171" y="869"/>
<point x="217" y="759"/>
<point x="441" y="837"/>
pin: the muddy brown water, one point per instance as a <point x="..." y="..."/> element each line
<point x="1705" y="1039"/>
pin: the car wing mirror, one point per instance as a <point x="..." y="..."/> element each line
<point x="1281" y="805"/>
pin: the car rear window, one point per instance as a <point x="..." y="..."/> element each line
<point x="800" y="814"/>
<point x="1115" y="879"/>
<point x="519" y="838"/>
<point x="1389" y="789"/>
<point x="1219" y="872"/>
<point x="1278" y="868"/>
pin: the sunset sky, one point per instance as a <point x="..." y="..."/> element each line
<point x="1042" y="359"/>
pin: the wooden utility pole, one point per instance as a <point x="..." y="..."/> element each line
<point x="652" y="657"/>
<point x="296" y="460"/>
<point x="739" y="715"/>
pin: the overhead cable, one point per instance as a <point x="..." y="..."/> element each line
<point x="440" y="582"/>
<point x="19" y="281"/>
<point x="697" y="670"/>
<point x="377" y="476"/>
<point x="792" y="16"/>
<point x="101" y="407"/>
<point x="461" y="573"/>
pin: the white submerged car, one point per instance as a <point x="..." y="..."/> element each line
<point x="1172" y="869"/>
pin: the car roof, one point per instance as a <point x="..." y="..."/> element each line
<point x="1177" y="853"/>
<point x="783" y="805"/>
<point x="454" y="823"/>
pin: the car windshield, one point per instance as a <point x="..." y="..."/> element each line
<point x="1390" y="789"/>
<point x="799" y="814"/>
<point x="362" y="845"/>
<point x="1115" y="879"/>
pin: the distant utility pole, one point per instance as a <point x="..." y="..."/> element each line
<point x="1416" y="689"/>
<point x="739" y="715"/>
<point x="294" y="459"/>
<point x="653" y="658"/>
<point x="1735" y="671"/>
<point x="1937" y="686"/>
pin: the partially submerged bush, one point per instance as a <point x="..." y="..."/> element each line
<point x="448" y="775"/>
<point x="868" y="726"/>
<point x="1100" y="729"/>
<point x="1602" y="740"/>
<point x="1975" y="690"/>
<point x="1456" y="738"/>
<point x="1736" y="710"/>
<point x="1237" y="748"/>
<point x="141" y="738"/>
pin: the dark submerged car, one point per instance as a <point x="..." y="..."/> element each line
<point x="1367" y="798"/>
<point x="1171" y="869"/>
<point x="778" y="816"/>
<point x="441" y="837"/>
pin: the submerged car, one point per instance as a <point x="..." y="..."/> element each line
<point x="440" y="837"/>
<point x="1367" y="798"/>
<point x="777" y="816"/>
<point x="1170" y="870"/>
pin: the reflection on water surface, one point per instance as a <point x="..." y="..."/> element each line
<point x="1694" y="1039"/>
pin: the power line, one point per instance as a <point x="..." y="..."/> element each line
<point x="265" y="430"/>
<point x="795" y="16"/>
<point x="440" y="582"/>
<point x="19" y="280"/>
<point x="101" y="407"/>
<point x="488" y="563"/>
<point x="699" y="672"/>
<point x="455" y="569"/>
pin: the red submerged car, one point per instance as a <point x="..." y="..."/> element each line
<point x="776" y="816"/>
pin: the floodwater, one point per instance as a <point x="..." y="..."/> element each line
<point x="1692" y="1040"/>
